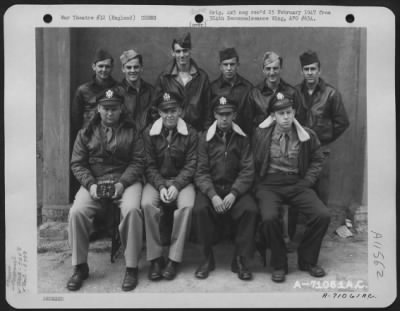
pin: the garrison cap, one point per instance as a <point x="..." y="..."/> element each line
<point x="279" y="102"/>
<point x="101" y="54"/>
<point x="109" y="97"/>
<point x="168" y="101"/>
<point x="228" y="53"/>
<point x="224" y="104"/>
<point x="184" y="41"/>
<point x="308" y="57"/>
<point x="128" y="55"/>
<point x="270" y="57"/>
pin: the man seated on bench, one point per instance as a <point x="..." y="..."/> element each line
<point x="171" y="155"/>
<point x="108" y="161"/>
<point x="288" y="160"/>
<point x="225" y="173"/>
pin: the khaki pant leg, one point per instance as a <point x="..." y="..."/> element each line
<point x="150" y="205"/>
<point x="182" y="219"/>
<point x="80" y="224"/>
<point x="131" y="225"/>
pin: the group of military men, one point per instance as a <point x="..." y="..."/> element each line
<point x="210" y="154"/>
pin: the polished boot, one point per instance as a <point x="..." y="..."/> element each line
<point x="239" y="266"/>
<point x="170" y="270"/>
<point x="155" y="271"/>
<point x="81" y="273"/>
<point x="130" y="280"/>
<point x="206" y="266"/>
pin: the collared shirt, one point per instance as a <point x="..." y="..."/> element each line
<point x="228" y="135"/>
<point x="109" y="138"/>
<point x="281" y="162"/>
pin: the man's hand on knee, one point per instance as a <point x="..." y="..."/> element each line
<point x="172" y="193"/>
<point x="229" y="200"/>
<point x="119" y="190"/>
<point x="218" y="204"/>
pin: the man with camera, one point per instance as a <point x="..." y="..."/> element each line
<point x="108" y="161"/>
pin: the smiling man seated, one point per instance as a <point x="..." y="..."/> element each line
<point x="171" y="154"/>
<point x="288" y="161"/>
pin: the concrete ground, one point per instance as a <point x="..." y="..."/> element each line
<point x="343" y="259"/>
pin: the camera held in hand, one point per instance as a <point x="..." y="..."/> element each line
<point x="106" y="189"/>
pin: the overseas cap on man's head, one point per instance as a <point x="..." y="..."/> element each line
<point x="184" y="41"/>
<point x="168" y="101"/>
<point x="308" y="57"/>
<point x="128" y="55"/>
<point x="224" y="104"/>
<point x="228" y="53"/>
<point x="270" y="57"/>
<point x="279" y="102"/>
<point x="109" y="97"/>
<point x="100" y="55"/>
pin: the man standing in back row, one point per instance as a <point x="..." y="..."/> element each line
<point x="138" y="94"/>
<point x="322" y="110"/>
<point x="262" y="95"/>
<point x="190" y="82"/>
<point x="231" y="84"/>
<point x="84" y="105"/>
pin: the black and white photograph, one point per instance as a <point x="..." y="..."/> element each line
<point x="174" y="155"/>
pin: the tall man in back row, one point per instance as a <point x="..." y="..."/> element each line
<point x="288" y="161"/>
<point x="322" y="110"/>
<point x="185" y="78"/>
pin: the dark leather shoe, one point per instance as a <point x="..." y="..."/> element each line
<point x="155" y="271"/>
<point x="238" y="266"/>
<point x="170" y="270"/>
<point x="279" y="275"/>
<point x="205" y="267"/>
<point x="130" y="280"/>
<point x="81" y="273"/>
<point x="314" y="270"/>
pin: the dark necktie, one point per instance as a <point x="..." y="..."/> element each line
<point x="109" y="134"/>
<point x="169" y="137"/>
<point x="285" y="144"/>
<point x="224" y="137"/>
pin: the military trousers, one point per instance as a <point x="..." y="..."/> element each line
<point x="270" y="198"/>
<point x="207" y="223"/>
<point x="180" y="227"/>
<point x="81" y="216"/>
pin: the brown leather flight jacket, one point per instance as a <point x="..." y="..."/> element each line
<point x="326" y="115"/>
<point x="171" y="163"/>
<point x="196" y="95"/>
<point x="222" y="169"/>
<point x="91" y="162"/>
